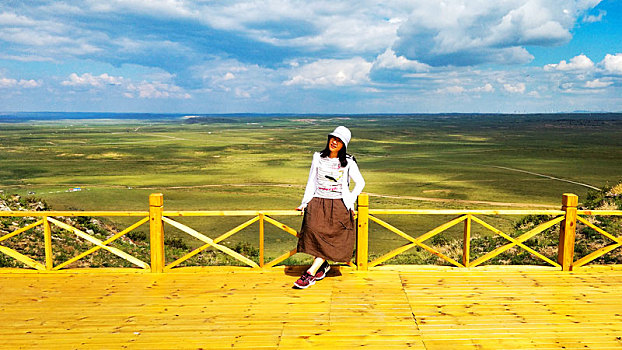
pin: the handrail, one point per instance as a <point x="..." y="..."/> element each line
<point x="46" y="221"/>
<point x="231" y="213"/>
<point x="30" y="213"/>
<point x="567" y="218"/>
<point x="464" y="212"/>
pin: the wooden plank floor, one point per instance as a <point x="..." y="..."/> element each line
<point x="214" y="308"/>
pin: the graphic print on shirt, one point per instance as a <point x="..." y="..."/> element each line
<point x="329" y="175"/>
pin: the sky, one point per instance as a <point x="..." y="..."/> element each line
<point x="295" y="56"/>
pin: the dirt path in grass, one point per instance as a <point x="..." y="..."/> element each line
<point x="521" y="171"/>
<point x="546" y="176"/>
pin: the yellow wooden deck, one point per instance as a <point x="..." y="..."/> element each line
<point x="221" y="307"/>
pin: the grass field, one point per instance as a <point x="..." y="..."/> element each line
<point x="261" y="162"/>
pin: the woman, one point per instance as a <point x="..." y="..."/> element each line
<point x="328" y="231"/>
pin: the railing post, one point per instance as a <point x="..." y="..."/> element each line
<point x="261" y="240"/>
<point x="47" y="234"/>
<point x="466" y="247"/>
<point x="565" y="255"/>
<point x="156" y="231"/>
<point x="362" y="233"/>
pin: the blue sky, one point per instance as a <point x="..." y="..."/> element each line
<point x="294" y="56"/>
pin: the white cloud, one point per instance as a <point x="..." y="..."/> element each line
<point x="515" y="88"/>
<point x="7" y="83"/>
<point x="11" y="19"/>
<point x="613" y="64"/>
<point x="576" y="63"/>
<point x="242" y="93"/>
<point x="593" y="18"/>
<point x="169" y="8"/>
<point x="14" y="83"/>
<point x="458" y="89"/>
<point x="597" y="84"/>
<point x="88" y="79"/>
<point x="144" y="89"/>
<point x="486" y="88"/>
<point x="331" y="72"/>
<point x="567" y="86"/>
<point x="364" y="26"/>
<point x="357" y="27"/>
<point x="235" y="53"/>
<point x="237" y="79"/>
<point x="451" y="90"/>
<point x="29" y="83"/>
<point x="156" y="90"/>
<point x="25" y="58"/>
<point x="44" y="38"/>
<point x="389" y="60"/>
<point x="463" y="33"/>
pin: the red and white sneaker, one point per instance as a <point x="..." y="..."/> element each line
<point x="305" y="281"/>
<point x="322" y="271"/>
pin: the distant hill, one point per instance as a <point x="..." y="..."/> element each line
<point x="21" y="117"/>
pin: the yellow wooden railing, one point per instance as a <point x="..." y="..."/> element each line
<point x="47" y="218"/>
<point x="567" y="217"/>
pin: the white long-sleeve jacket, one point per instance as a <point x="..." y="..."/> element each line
<point x="352" y="171"/>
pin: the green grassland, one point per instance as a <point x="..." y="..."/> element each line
<point x="262" y="162"/>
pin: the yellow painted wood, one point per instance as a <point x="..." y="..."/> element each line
<point x="236" y="307"/>
<point x="22" y="258"/>
<point x="391" y="254"/>
<point x="466" y="245"/>
<point x="462" y="212"/>
<point x="232" y="213"/>
<point x="216" y="240"/>
<point x="600" y="230"/>
<point x="47" y="237"/>
<point x="362" y="235"/>
<point x="106" y="242"/>
<point x="282" y="226"/>
<point x="20" y="230"/>
<point x="209" y="241"/>
<point x="392" y="228"/>
<point x="415" y="241"/>
<point x="261" y="240"/>
<point x="156" y="232"/>
<point x="516" y="242"/>
<point x="99" y="243"/>
<point x="281" y="258"/>
<point x="600" y="212"/>
<point x="440" y="255"/>
<point x="156" y="201"/>
<point x="235" y="230"/>
<point x="595" y="255"/>
<point x="567" y="231"/>
<point x="527" y="235"/>
<point x="441" y="228"/>
<point x="39" y="214"/>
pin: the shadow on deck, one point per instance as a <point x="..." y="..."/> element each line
<point x="221" y="307"/>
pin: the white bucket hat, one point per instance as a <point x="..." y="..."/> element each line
<point x="343" y="134"/>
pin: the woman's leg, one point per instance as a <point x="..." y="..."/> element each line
<point x="315" y="266"/>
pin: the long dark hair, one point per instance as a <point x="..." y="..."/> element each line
<point x="342" y="155"/>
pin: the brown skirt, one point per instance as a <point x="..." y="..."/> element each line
<point x="327" y="230"/>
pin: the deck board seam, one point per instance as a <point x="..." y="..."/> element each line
<point x="412" y="311"/>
